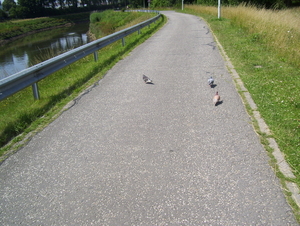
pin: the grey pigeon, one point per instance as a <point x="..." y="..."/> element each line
<point x="147" y="80"/>
<point x="211" y="81"/>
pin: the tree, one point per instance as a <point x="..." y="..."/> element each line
<point x="8" y="4"/>
<point x="35" y="7"/>
<point x="61" y="3"/>
<point x="3" y="15"/>
<point x="19" y="12"/>
<point x="161" y="3"/>
<point x="288" y="2"/>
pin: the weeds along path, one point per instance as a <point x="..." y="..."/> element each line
<point x="130" y="153"/>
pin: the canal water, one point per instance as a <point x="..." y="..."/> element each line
<point x="35" y="48"/>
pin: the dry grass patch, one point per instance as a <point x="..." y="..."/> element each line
<point x="279" y="29"/>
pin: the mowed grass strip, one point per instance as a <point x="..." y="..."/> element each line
<point x="263" y="46"/>
<point x="21" y="115"/>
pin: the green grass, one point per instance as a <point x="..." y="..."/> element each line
<point x="25" y="116"/>
<point x="13" y="28"/>
<point x="269" y="73"/>
<point x="111" y="21"/>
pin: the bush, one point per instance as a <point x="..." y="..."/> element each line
<point x="3" y="15"/>
<point x="20" y="12"/>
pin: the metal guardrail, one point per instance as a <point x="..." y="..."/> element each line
<point x="30" y="76"/>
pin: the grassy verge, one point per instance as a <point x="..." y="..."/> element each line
<point x="262" y="46"/>
<point x="111" y="21"/>
<point x="24" y="116"/>
<point x="14" y="28"/>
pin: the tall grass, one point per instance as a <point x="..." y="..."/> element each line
<point x="278" y="29"/>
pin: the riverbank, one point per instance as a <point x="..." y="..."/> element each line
<point x="15" y="29"/>
<point x="6" y="41"/>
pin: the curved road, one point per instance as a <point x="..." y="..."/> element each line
<point x="130" y="153"/>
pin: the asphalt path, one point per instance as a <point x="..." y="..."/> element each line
<point x="130" y="153"/>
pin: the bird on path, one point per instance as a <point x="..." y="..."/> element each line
<point x="146" y="79"/>
<point x="216" y="98"/>
<point x="211" y="81"/>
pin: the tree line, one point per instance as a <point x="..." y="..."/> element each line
<point x="37" y="8"/>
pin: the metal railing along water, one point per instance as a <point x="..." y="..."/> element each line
<point x="30" y="76"/>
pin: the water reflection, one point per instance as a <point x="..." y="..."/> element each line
<point x="30" y="50"/>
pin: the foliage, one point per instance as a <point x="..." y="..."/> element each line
<point x="38" y="8"/>
<point x="3" y="15"/>
<point x="162" y="3"/>
<point x="8" y="4"/>
<point x="19" y="12"/>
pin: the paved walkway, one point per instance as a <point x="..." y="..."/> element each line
<point x="134" y="154"/>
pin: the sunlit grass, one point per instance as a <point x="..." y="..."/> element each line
<point x="278" y="29"/>
<point x="111" y="21"/>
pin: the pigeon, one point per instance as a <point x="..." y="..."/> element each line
<point x="147" y="80"/>
<point x="210" y="81"/>
<point x="216" y="98"/>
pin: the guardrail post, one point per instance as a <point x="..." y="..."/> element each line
<point x="96" y="56"/>
<point x="123" y="41"/>
<point x="139" y="31"/>
<point x="35" y="90"/>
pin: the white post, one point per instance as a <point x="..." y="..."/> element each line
<point x="182" y="5"/>
<point x="219" y="9"/>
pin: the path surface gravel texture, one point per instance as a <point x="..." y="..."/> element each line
<point x="130" y="153"/>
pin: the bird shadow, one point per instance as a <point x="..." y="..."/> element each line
<point x="213" y="86"/>
<point x="150" y="83"/>
<point x="219" y="102"/>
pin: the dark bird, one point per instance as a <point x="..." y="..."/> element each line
<point x="146" y="79"/>
<point x="216" y="98"/>
<point x="211" y="81"/>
